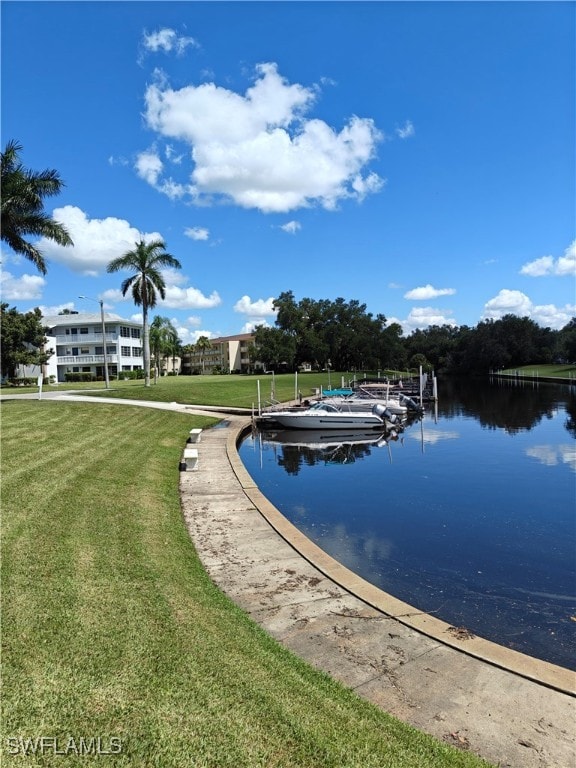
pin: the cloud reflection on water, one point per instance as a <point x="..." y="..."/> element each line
<point x="551" y="456"/>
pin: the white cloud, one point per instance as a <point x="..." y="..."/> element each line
<point x="96" y="241"/>
<point x="507" y="302"/>
<point x="149" y="166"/>
<point x="547" y="265"/>
<point x="428" y="292"/>
<point x="406" y="130"/>
<point x="566" y="265"/>
<point x="197" y="233"/>
<point x="167" y="41"/>
<point x="291" y="227"/>
<point x="55" y="309"/>
<point x="188" y="336"/>
<point x="423" y="317"/>
<point x="113" y="296"/>
<point x="551" y="316"/>
<point x="514" y="302"/>
<point x="173" y="276"/>
<point x="260" y="307"/>
<point x="258" y="149"/>
<point x="189" y="298"/>
<point x="23" y="288"/>
<point x="251" y="325"/>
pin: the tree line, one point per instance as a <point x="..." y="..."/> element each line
<point x="343" y="336"/>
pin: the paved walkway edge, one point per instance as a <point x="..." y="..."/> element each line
<point x="542" y="672"/>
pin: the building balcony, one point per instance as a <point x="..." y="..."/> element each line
<point x="80" y="339"/>
<point x="86" y="359"/>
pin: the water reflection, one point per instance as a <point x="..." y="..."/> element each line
<point x="507" y="404"/>
<point x="468" y="513"/>
<point x="550" y="455"/>
<point x="299" y="447"/>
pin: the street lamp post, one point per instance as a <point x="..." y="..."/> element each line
<point x="101" y="302"/>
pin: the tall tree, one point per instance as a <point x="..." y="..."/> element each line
<point x="22" y="338"/>
<point x="145" y="261"/>
<point x="22" y="206"/>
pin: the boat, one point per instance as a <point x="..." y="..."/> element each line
<point x="362" y="398"/>
<point x="326" y="415"/>
<point x="361" y="402"/>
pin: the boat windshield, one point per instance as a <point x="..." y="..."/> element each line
<point x="324" y="407"/>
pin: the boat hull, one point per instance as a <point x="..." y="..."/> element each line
<point x="321" y="420"/>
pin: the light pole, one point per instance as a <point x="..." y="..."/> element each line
<point x="101" y="302"/>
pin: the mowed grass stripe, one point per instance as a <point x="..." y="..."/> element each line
<point x="111" y="627"/>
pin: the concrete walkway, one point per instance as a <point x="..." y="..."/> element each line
<point x="515" y="711"/>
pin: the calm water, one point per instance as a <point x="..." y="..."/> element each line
<point x="470" y="514"/>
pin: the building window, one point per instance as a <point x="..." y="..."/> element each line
<point x="125" y="351"/>
<point x="74" y="330"/>
<point x="136" y="351"/>
<point x="84" y="350"/>
<point x="75" y="369"/>
<point x="125" y="367"/>
<point x="124" y="332"/>
<point x="135" y="333"/>
<point x="83" y="330"/>
<point x="110" y="349"/>
<point x="85" y="369"/>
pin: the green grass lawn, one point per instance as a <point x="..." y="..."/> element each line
<point x="552" y="371"/>
<point x="234" y="389"/>
<point x="112" y="630"/>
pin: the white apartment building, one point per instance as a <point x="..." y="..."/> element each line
<point x="79" y="348"/>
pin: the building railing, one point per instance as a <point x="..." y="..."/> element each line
<point x="79" y="339"/>
<point x="86" y="359"/>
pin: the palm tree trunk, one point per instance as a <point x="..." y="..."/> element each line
<point x="146" y="344"/>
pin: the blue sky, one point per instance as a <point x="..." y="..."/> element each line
<point x="415" y="156"/>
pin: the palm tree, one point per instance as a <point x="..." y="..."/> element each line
<point x="202" y="345"/>
<point x="22" y="207"/>
<point x="174" y="347"/>
<point x="163" y="338"/>
<point x="145" y="261"/>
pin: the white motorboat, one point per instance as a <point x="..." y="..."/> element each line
<point x="361" y="399"/>
<point x="325" y="415"/>
<point x="361" y="403"/>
